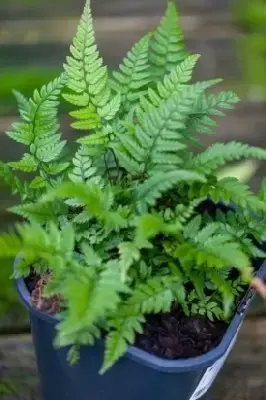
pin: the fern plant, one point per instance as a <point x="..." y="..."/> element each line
<point x="122" y="225"/>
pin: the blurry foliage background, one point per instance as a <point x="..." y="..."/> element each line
<point x="34" y="40"/>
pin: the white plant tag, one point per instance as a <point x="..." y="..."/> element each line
<point x="211" y="373"/>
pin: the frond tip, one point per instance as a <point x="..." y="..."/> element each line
<point x="87" y="76"/>
<point x="167" y="44"/>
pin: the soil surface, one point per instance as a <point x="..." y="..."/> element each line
<point x="174" y="335"/>
<point x="36" y="286"/>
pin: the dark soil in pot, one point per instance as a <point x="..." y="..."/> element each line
<point x="174" y="335"/>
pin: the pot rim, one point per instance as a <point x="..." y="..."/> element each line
<point x="150" y="360"/>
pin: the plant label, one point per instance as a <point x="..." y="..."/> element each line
<point x="211" y="373"/>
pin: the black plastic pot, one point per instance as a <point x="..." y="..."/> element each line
<point x="137" y="376"/>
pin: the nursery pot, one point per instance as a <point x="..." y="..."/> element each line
<point x="138" y="375"/>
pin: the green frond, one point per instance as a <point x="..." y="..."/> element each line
<point x="27" y="164"/>
<point x="57" y="168"/>
<point x="133" y="75"/>
<point x="17" y="186"/>
<point x="110" y="110"/>
<point x="88" y="118"/>
<point x="167" y="46"/>
<point x="89" y="297"/>
<point x="87" y="76"/>
<point x="97" y="200"/>
<point x="118" y="340"/>
<point x="158" y="143"/>
<point x="148" y="192"/>
<point x="193" y="226"/>
<point x="91" y="256"/>
<point x="208" y="106"/>
<point x="225" y="288"/>
<point x="35" y="242"/>
<point x="38" y="183"/>
<point x="23" y="104"/>
<point x="217" y="251"/>
<point x="148" y="226"/>
<point x="83" y="337"/>
<point x="36" y="212"/>
<point x="220" y="153"/>
<point x="82" y="218"/>
<point x="183" y="213"/>
<point x="154" y="296"/>
<point x="10" y="245"/>
<point x="21" y="133"/>
<point x="129" y="254"/>
<point x="171" y="85"/>
<point x="40" y="129"/>
<point x="262" y="191"/>
<point x="230" y="190"/>
<point x="83" y="168"/>
<point x="95" y="139"/>
<point x="79" y="100"/>
<point x="173" y="82"/>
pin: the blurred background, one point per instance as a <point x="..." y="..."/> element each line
<point x="34" y="41"/>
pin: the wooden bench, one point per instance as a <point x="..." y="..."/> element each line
<point x="242" y="378"/>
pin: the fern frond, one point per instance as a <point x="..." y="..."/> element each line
<point x="193" y="226"/>
<point x="158" y="142"/>
<point x="38" y="183"/>
<point x="110" y="110"/>
<point x="133" y="75"/>
<point x="183" y="213"/>
<point x="208" y="106"/>
<point x="173" y="82"/>
<point x="83" y="170"/>
<point x="87" y="76"/>
<point x="16" y="185"/>
<point x="10" y="245"/>
<point x="56" y="168"/>
<point x="36" y="212"/>
<point x="148" y="226"/>
<point x="97" y="200"/>
<point x="88" y="118"/>
<point x="154" y="296"/>
<point x="118" y="340"/>
<point x="262" y="191"/>
<point x="23" y="104"/>
<point x="171" y="85"/>
<point x="129" y="254"/>
<point x="148" y="192"/>
<point x="27" y="164"/>
<point x="35" y="242"/>
<point x="95" y="139"/>
<point x="167" y="46"/>
<point x="217" y="251"/>
<point x="89" y="298"/>
<point x="220" y="153"/>
<point x="21" y="133"/>
<point x="225" y="288"/>
<point x="230" y="190"/>
<point x="82" y="218"/>
<point x="40" y="129"/>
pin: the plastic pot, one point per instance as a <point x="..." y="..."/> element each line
<point x="138" y="375"/>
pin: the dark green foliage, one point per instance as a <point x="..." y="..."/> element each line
<point x="119" y="224"/>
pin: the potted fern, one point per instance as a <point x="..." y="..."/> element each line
<point x="133" y="256"/>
